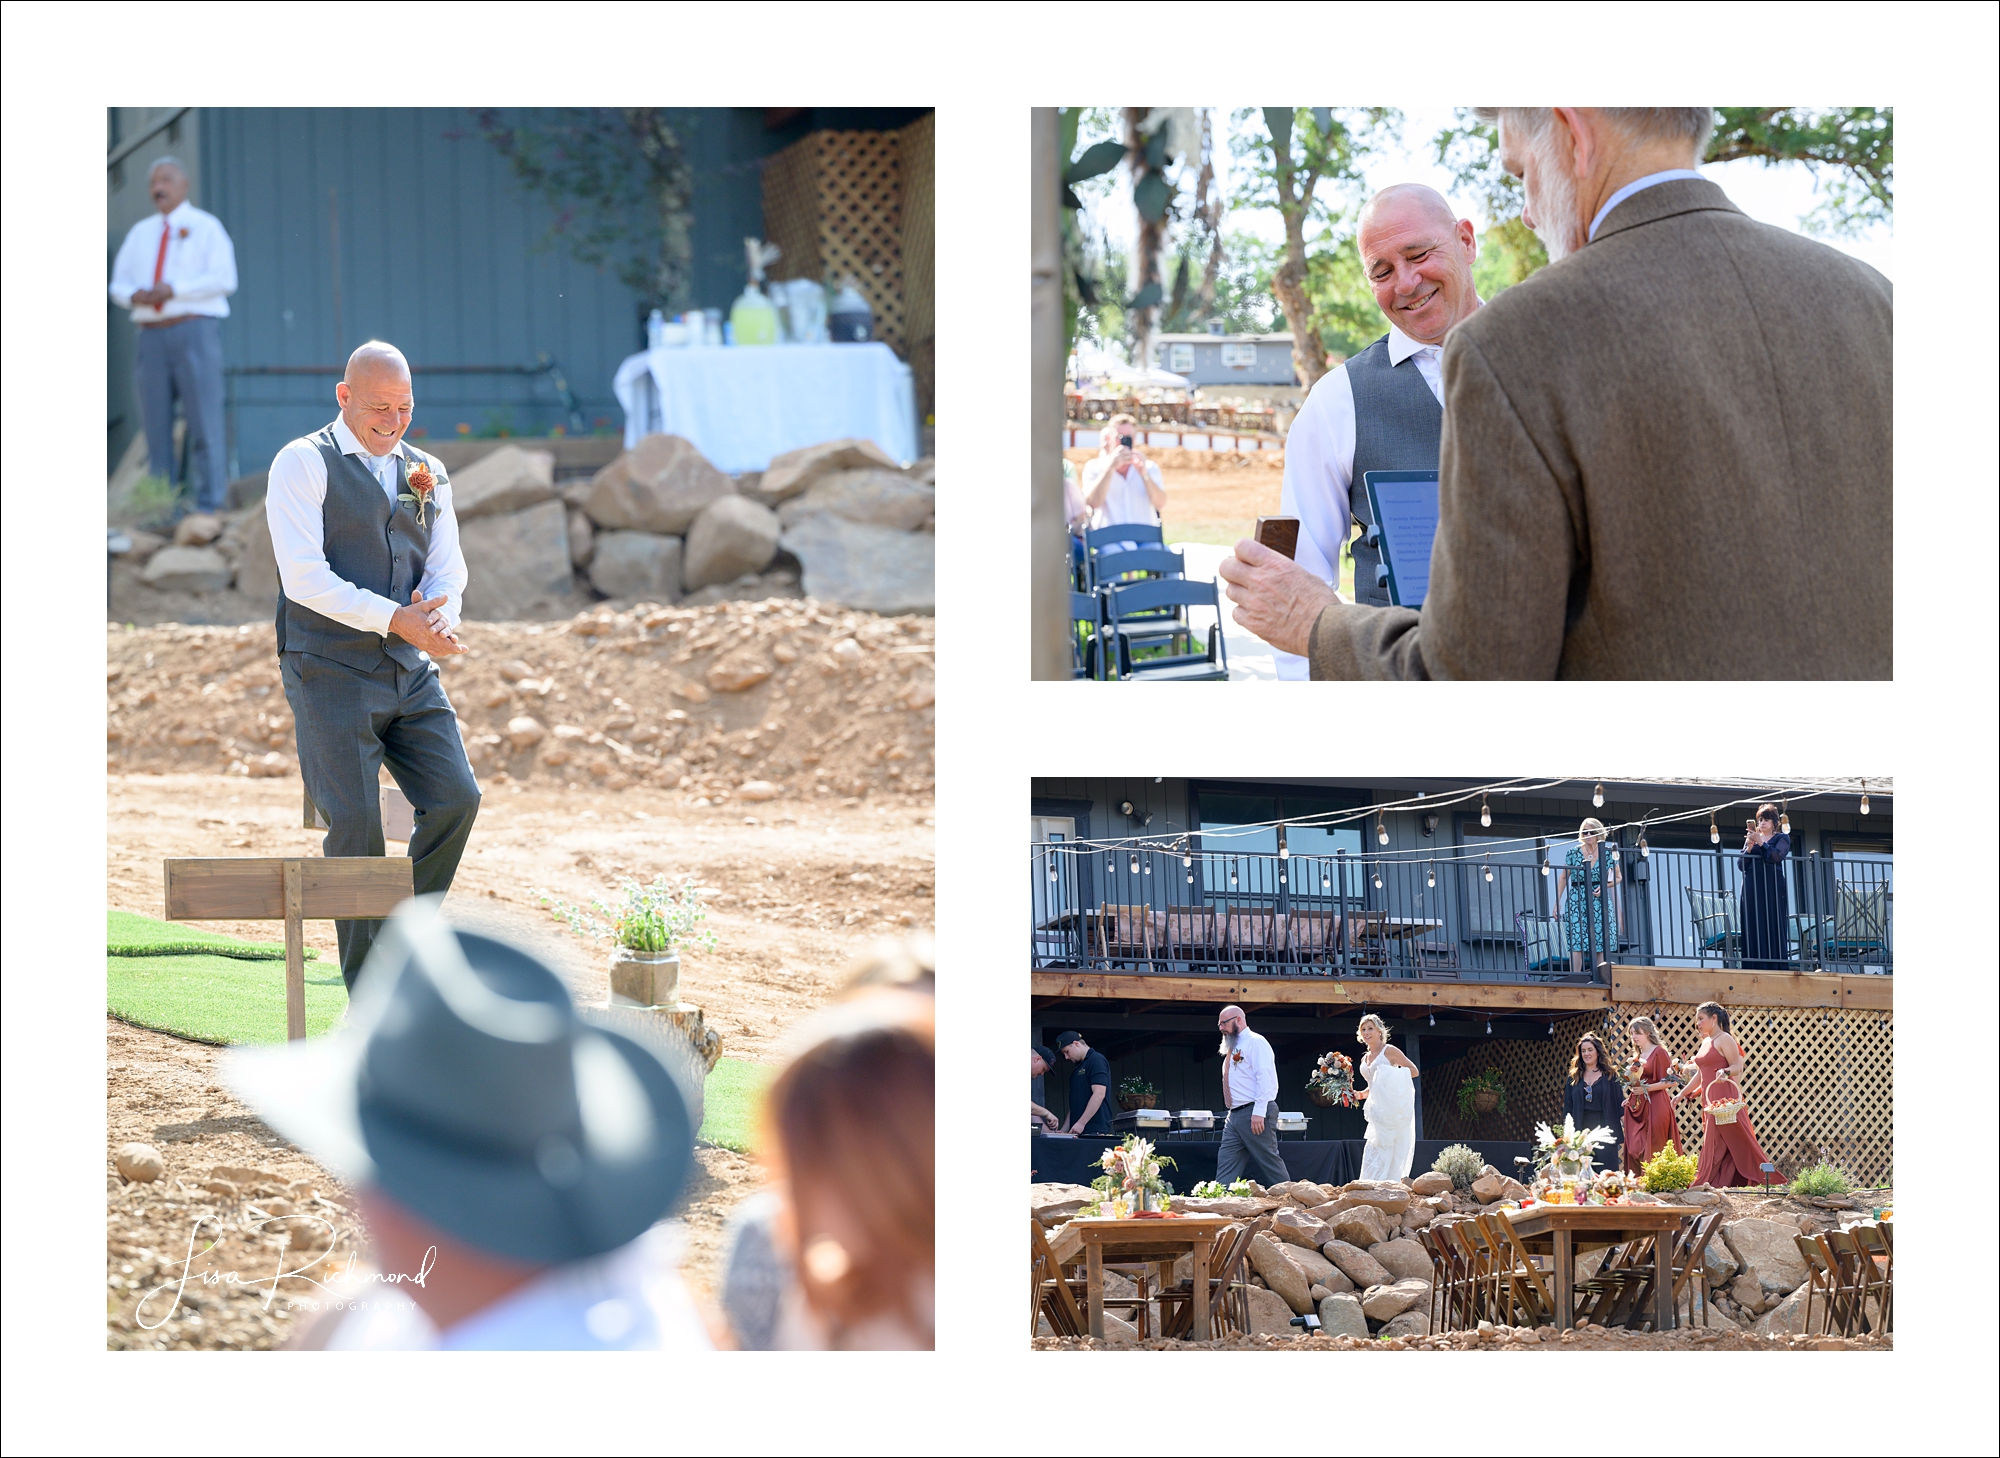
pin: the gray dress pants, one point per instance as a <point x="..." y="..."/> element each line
<point x="184" y="361"/>
<point x="1241" y="1150"/>
<point x="350" y="723"/>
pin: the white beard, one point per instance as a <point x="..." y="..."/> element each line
<point x="1561" y="231"/>
<point x="1228" y="1044"/>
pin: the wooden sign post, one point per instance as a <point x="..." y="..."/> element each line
<point x="251" y="888"/>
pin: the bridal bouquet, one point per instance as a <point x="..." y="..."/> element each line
<point x="1570" y="1154"/>
<point x="1332" y="1081"/>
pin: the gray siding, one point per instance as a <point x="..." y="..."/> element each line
<point x="1273" y="367"/>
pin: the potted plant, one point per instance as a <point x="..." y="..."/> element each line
<point x="647" y="928"/>
<point x="1134" y="1092"/>
<point x="1481" y="1095"/>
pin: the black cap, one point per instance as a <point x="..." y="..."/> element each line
<point x="1042" y="1053"/>
<point x="1063" y="1040"/>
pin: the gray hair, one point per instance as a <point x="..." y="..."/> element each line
<point x="1691" y="124"/>
<point x="169" y="161"/>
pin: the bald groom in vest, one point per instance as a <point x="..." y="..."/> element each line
<point x="1665" y="456"/>
<point x="373" y="579"/>
<point x="1383" y="410"/>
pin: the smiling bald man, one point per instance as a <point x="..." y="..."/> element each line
<point x="1384" y="409"/>
<point x="373" y="580"/>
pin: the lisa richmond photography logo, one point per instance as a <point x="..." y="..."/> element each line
<point x="343" y="1287"/>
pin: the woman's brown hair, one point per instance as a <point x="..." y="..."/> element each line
<point x="1768" y="812"/>
<point x="851" y="1128"/>
<point x="1603" y="1059"/>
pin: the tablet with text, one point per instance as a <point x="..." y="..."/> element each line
<point x="1405" y="507"/>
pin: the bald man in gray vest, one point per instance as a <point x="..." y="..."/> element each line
<point x="1384" y="409"/>
<point x="373" y="578"/>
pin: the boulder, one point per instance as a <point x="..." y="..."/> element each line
<point x="1300" y="1228"/>
<point x="1358" y="1266"/>
<point x="1387" y="1199"/>
<point x="758" y="790"/>
<point x="636" y="565"/>
<point x="1280" y="1272"/>
<point x="794" y="471"/>
<point x="660" y="485"/>
<point x="517" y="564"/>
<point x="1489" y="1187"/>
<point x="1696" y="1196"/>
<point x="1336" y="1280"/>
<point x="144" y="544"/>
<point x="1747" y="1293"/>
<point x="1299" y="1192"/>
<point x="139" y="1163"/>
<point x="582" y="539"/>
<point x="732" y="537"/>
<point x="1340" y="1315"/>
<point x="1432" y="1182"/>
<point x="1235" y="1209"/>
<point x="256" y="561"/>
<point x="1053" y="1202"/>
<point x="1513" y="1189"/>
<point x="1418" y="1216"/>
<point x="875" y="496"/>
<point x="1381" y="1303"/>
<point x="1717" y="1263"/>
<point x="197" y="529"/>
<point x="1767" y="1245"/>
<point x="1410" y="1323"/>
<point x="187" y="569"/>
<point x="1269" y="1315"/>
<point x="870" y="567"/>
<point x="1119" y="1331"/>
<point x="1789" y="1315"/>
<point x="503" y="480"/>
<point x="1403" y="1258"/>
<point x="1315" y="1267"/>
<point x="524" y="732"/>
<point x="1360" y="1226"/>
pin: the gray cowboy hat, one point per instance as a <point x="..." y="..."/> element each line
<point x="467" y="1088"/>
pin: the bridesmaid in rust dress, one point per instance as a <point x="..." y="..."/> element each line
<point x="1730" y="1154"/>
<point x="1649" y="1103"/>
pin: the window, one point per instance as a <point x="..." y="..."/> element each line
<point x="1239" y="356"/>
<point x="1181" y="358"/>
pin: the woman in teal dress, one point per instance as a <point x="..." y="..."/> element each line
<point x="1586" y="881"/>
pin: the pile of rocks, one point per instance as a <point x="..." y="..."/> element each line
<point x="840" y="522"/>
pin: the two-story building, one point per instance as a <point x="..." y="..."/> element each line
<point x="1440" y="904"/>
<point x="1227" y="360"/>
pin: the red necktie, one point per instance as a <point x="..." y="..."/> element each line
<point x="160" y="262"/>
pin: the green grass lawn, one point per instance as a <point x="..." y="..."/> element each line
<point x="209" y="988"/>
<point x="733" y="1097"/>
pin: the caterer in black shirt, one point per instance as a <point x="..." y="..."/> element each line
<point x="1089" y="1086"/>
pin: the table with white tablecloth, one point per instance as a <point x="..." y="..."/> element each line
<point x="742" y="406"/>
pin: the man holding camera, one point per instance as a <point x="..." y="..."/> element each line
<point x="1121" y="487"/>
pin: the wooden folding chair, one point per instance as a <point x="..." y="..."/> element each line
<point x="1126" y="931"/>
<point x="1481" y="1276"/>
<point x="1188" y="934"/>
<point x="1444" y="1273"/>
<point x="1052" y="1293"/>
<point x="1228" y="1291"/>
<point x="1689" y="1268"/>
<point x="1819" y="1281"/>
<point x="1854" y="1277"/>
<point x="1526" y="1294"/>
<point x="1874" y="1243"/>
<point x="1622" y="1283"/>
<point x="1253" y="934"/>
<point x="1311" y="936"/>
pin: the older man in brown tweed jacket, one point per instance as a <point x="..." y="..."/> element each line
<point x="1666" y="455"/>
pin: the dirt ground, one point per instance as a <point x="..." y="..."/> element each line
<point x="1214" y="496"/>
<point x="1592" y="1339"/>
<point x="803" y="886"/>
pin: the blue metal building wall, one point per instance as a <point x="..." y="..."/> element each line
<point x="406" y="224"/>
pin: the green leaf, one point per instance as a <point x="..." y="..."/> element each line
<point x="1323" y="119"/>
<point x="1096" y="160"/>
<point x="1070" y="199"/>
<point x="1278" y="121"/>
<point x="1146" y="297"/>
<point x="1151" y="196"/>
<point x="1156" y="148"/>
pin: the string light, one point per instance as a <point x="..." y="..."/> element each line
<point x="1552" y="1030"/>
<point x="1597" y="797"/>
<point x="1284" y="848"/>
<point x="1325" y="880"/>
<point x="1485" y="815"/>
<point x="1434" y="1019"/>
<point x="1645" y="851"/>
<point x="1135" y="863"/>
<point x="1714" y="830"/>
<point x="1232" y="871"/>
<point x="1431" y="876"/>
<point x="1489" y="1027"/>
<point x="1381" y="830"/>
<point x="1545" y="863"/>
<point x="1864" y="797"/>
<point x="1784" y="819"/>
<point x="1378" y="878"/>
<point x="1052" y="868"/>
<point x="1489" y="867"/>
<point x="1149" y="865"/>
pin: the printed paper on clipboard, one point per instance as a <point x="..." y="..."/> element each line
<point x="1405" y="507"/>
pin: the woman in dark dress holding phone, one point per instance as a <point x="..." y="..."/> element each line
<point x="1764" y="905"/>
<point x="1594" y="1098"/>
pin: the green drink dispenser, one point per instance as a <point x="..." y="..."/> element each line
<point x="753" y="319"/>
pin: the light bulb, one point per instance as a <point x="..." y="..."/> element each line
<point x="1052" y="870"/>
<point x="1434" y="1020"/>
<point x="1325" y="881"/>
<point x="1489" y="868"/>
<point x="1864" y="797"/>
<point x="1135" y="863"/>
<point x="1431" y="878"/>
<point x="1381" y="831"/>
<point x="1552" y="1030"/>
<point x="1149" y="865"/>
<point x="1485" y="815"/>
<point x="1714" y="830"/>
<point x="1187" y="860"/>
<point x="1545" y="865"/>
<point x="1614" y="855"/>
<point x="1645" y="851"/>
<point x="1232" y="873"/>
<point x="1784" y="822"/>
<point x="1597" y="797"/>
<point x="1190" y="878"/>
<point x="1110" y="865"/>
<point x="1489" y="1028"/>
<point x="1378" y="880"/>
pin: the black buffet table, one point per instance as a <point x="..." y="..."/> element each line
<point x="1325" y="1161"/>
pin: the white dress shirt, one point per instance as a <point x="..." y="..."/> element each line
<point x="1638" y="184"/>
<point x="1254" y="1081"/>
<point x="200" y="267"/>
<point x="295" y="507"/>
<point x="1126" y="503"/>
<point x="1319" y="468"/>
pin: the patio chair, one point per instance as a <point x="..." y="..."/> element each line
<point x="1874" y="1243"/>
<point x="1147" y="564"/>
<point x="1853" y="1282"/>
<point x="1086" y="635"/>
<point x="1819" y="1281"/>
<point x="1625" y="1276"/>
<point x="1253" y="934"/>
<point x="1437" y="1313"/>
<point x="1120" y="537"/>
<point x="1126" y="932"/>
<point x="1312" y="937"/>
<point x="1716" y="932"/>
<point x="1544" y="946"/>
<point x="1690" y="1272"/>
<point x="1482" y="1271"/>
<point x="1122" y="602"/>
<point x="1860" y="924"/>
<point x="1459" y="1293"/>
<point x="1526" y="1293"/>
<point x="1228" y="1290"/>
<point x="1052" y="1293"/>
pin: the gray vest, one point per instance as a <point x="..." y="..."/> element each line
<point x="1397" y="425"/>
<point x="378" y="547"/>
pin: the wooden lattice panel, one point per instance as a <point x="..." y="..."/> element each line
<point x="1820" y="1082"/>
<point x="833" y="202"/>
<point x="919" y="148"/>
<point x="1535" y="1074"/>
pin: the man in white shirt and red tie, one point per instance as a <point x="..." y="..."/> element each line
<point x="1250" y="1089"/>
<point x="175" y="273"/>
<point x="373" y="581"/>
<point x="1382" y="410"/>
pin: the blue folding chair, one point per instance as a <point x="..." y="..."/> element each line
<point x="1117" y="538"/>
<point x="1140" y="564"/>
<point x="1086" y="635"/>
<point x="1120" y="631"/>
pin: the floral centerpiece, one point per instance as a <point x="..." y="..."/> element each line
<point x="1608" y="1188"/>
<point x="1332" y="1081"/>
<point x="1216" y="1190"/>
<point x="1568" y="1155"/>
<point x="1132" y="1174"/>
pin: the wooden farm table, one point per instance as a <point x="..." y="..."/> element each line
<point x="1563" y="1230"/>
<point x="1164" y="1241"/>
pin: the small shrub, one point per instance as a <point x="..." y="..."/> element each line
<point x="1462" y="1163"/>
<point x="152" y="496"/>
<point x="1822" y="1179"/>
<point x="1668" y="1170"/>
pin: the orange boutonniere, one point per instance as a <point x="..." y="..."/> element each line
<point x="184" y="234"/>
<point x="421" y="482"/>
<point x="1235" y="1057"/>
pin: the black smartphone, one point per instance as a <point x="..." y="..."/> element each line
<point x="1125" y="441"/>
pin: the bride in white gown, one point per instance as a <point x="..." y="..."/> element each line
<point x="1390" y="1102"/>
